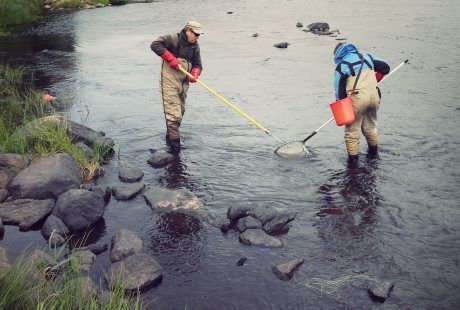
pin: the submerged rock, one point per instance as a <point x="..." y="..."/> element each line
<point x="241" y="261"/>
<point x="381" y="291"/>
<point x="162" y="198"/>
<point x="299" y="25"/>
<point x="259" y="238"/>
<point x="127" y="191"/>
<point x="130" y="174"/>
<point x="286" y="270"/>
<point x="160" y="159"/>
<point x="278" y="224"/>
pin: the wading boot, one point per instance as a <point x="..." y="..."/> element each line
<point x="174" y="146"/>
<point x="372" y="151"/>
<point x="353" y="161"/>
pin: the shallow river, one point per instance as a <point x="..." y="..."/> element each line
<point x="394" y="218"/>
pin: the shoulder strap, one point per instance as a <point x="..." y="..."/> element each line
<point x="359" y="73"/>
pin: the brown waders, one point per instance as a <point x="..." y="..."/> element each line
<point x="173" y="87"/>
<point x="365" y="105"/>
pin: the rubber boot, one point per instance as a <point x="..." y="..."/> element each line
<point x="174" y="145"/>
<point x="372" y="151"/>
<point x="353" y="161"/>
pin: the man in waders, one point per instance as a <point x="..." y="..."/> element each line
<point x="366" y="98"/>
<point x="178" y="49"/>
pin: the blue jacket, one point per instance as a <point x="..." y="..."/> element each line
<point x="348" y="63"/>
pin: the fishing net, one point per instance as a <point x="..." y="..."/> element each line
<point x="294" y="149"/>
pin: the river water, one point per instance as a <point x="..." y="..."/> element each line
<point x="394" y="218"/>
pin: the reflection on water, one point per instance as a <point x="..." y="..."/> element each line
<point x="176" y="175"/>
<point x="350" y="208"/>
<point x="177" y="238"/>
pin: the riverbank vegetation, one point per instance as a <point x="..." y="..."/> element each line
<point x="22" y="104"/>
<point x="14" y="13"/>
<point x="40" y="280"/>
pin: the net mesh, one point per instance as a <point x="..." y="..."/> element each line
<point x="295" y="149"/>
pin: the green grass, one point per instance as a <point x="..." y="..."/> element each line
<point x="15" y="13"/>
<point x="21" y="104"/>
<point x="55" y="284"/>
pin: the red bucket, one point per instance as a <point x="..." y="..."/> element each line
<point x="343" y="111"/>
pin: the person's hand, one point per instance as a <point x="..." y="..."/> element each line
<point x="195" y="74"/>
<point x="171" y="59"/>
<point x="379" y="76"/>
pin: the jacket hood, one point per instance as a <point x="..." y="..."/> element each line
<point x="343" y="50"/>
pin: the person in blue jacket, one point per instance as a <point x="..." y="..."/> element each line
<point x="366" y="98"/>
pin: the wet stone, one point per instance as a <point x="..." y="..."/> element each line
<point x="248" y="222"/>
<point x="102" y="190"/>
<point x="281" y="45"/>
<point x="97" y="248"/>
<point x="25" y="212"/>
<point x="234" y="213"/>
<point x="241" y="261"/>
<point x="380" y="291"/>
<point x="139" y="271"/>
<point x="286" y="270"/>
<point x="278" y="223"/>
<point x="264" y="213"/>
<point x="130" y="174"/>
<point x="124" y="243"/>
<point x="160" y="159"/>
<point x="258" y="237"/>
<point x="6" y="175"/>
<point x="4" y="193"/>
<point x="55" y="225"/>
<point x="127" y="191"/>
<point x="299" y="25"/>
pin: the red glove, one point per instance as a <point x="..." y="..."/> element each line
<point x="196" y="73"/>
<point x="379" y="76"/>
<point x="173" y="61"/>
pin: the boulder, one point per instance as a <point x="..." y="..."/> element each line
<point x="56" y="225"/>
<point x="25" y="212"/>
<point x="79" y="208"/>
<point x="248" y="222"/>
<point x="139" y="271"/>
<point x="102" y="190"/>
<point x="130" y="174"/>
<point x="4" y="193"/>
<point x="124" y="243"/>
<point x="278" y="223"/>
<point x="160" y="159"/>
<point x="48" y="177"/>
<point x="286" y="270"/>
<point x="6" y="175"/>
<point x="84" y="149"/>
<point x="14" y="161"/>
<point x="259" y="238"/>
<point x="127" y="191"/>
<point x="77" y="132"/>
